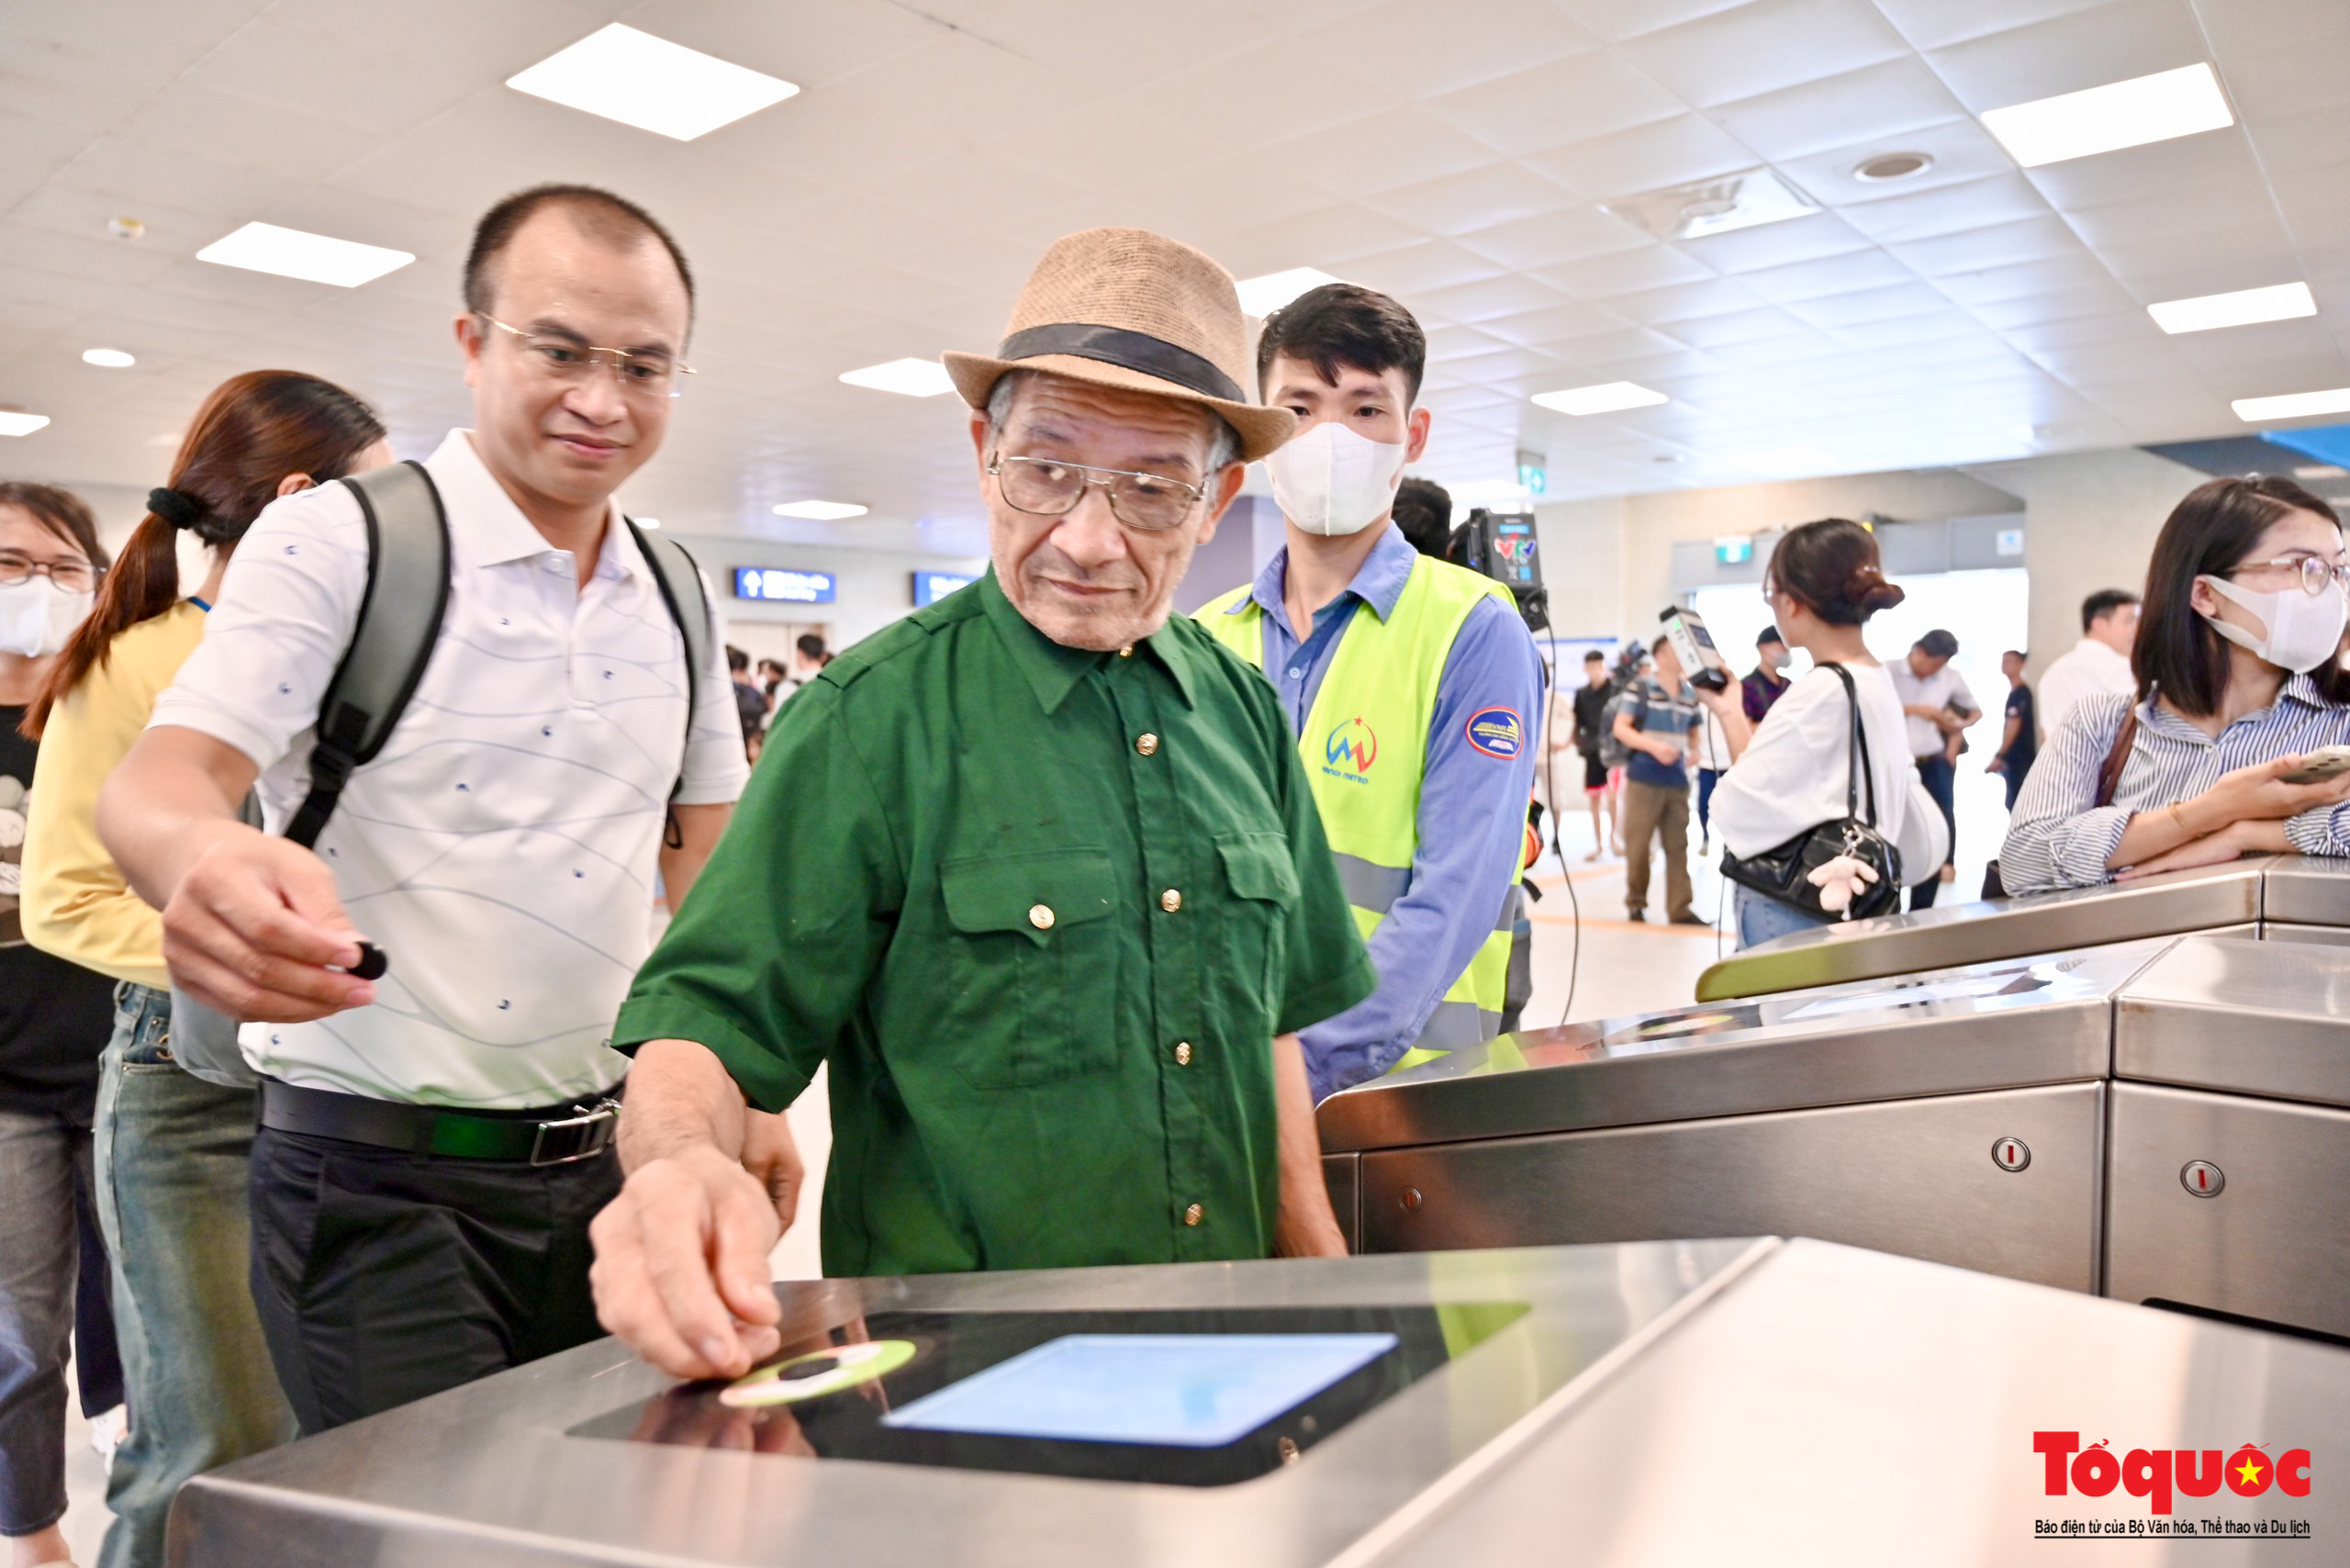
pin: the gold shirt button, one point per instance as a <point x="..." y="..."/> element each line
<point x="1127" y="652"/>
<point x="1182" y="1053"/>
<point x="1040" y="916"/>
<point x="1148" y="744"/>
<point x="1170" y="901"/>
<point x="1193" y="1214"/>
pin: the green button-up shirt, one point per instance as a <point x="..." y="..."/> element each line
<point x="1043" y="911"/>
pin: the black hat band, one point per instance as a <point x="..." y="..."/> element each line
<point x="1127" y="350"/>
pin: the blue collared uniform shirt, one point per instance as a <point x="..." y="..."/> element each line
<point x="1472" y="817"/>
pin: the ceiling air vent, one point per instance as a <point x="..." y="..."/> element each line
<point x="1714" y="207"/>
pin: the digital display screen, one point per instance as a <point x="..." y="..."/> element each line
<point x="932" y="586"/>
<point x="1179" y="1390"/>
<point x="1514" y="548"/>
<point x="783" y="585"/>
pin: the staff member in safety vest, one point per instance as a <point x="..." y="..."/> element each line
<point x="1413" y="685"/>
<point x="1035" y="871"/>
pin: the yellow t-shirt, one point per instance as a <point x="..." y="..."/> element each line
<point x="76" y="903"/>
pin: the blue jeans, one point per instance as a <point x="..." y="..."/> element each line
<point x="1761" y="919"/>
<point x="44" y="1156"/>
<point x="1940" y="776"/>
<point x="171" y="1158"/>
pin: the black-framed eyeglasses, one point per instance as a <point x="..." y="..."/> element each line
<point x="2316" y="571"/>
<point x="73" y="577"/>
<point x="560" y="356"/>
<point x="1045" y="486"/>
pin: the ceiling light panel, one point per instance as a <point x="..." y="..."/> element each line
<point x="2121" y="114"/>
<point x="2293" y="405"/>
<point x="109" y="359"/>
<point x="15" y="423"/>
<point x="1263" y="296"/>
<point x="2280" y="302"/>
<point x="820" y="511"/>
<point x="1606" y="398"/>
<point x="314" y="258"/>
<point x="913" y="377"/>
<point x="649" y="83"/>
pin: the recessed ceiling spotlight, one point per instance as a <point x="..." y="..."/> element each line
<point x="2289" y="405"/>
<point x="1604" y="398"/>
<point x="2280" y="302"/>
<point x="109" y="359"/>
<point x="15" y="422"/>
<point x="820" y="511"/>
<point x="2104" y="119"/>
<point x="1263" y="296"/>
<point x="126" y="227"/>
<point x="1714" y="207"/>
<point x="1891" y="166"/>
<point x="314" y="258"/>
<point x="913" y="377"/>
<point x="1668" y="457"/>
<point x="649" y="83"/>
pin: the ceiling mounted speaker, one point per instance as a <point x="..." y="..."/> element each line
<point x="1893" y="166"/>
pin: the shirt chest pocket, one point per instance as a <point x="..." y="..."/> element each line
<point x="1262" y="880"/>
<point x="1028" y="993"/>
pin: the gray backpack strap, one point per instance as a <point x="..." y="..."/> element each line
<point x="399" y="618"/>
<point x="681" y="590"/>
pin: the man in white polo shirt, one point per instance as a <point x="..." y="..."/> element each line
<point x="431" y="1150"/>
<point x="2098" y="663"/>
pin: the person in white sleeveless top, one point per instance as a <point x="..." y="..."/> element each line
<point x="1789" y="774"/>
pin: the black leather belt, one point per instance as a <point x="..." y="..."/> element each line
<point x="558" y="1135"/>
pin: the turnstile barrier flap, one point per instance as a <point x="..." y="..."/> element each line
<point x="2262" y="1018"/>
<point x="2203" y="899"/>
<point x="2012" y="1024"/>
<point x="2306" y="890"/>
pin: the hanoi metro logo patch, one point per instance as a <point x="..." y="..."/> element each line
<point x="1349" y="750"/>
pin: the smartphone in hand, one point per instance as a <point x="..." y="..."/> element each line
<point x="2326" y="762"/>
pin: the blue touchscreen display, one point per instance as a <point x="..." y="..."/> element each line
<point x="1169" y="1390"/>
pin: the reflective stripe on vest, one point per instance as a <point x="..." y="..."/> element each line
<point x="1365" y="750"/>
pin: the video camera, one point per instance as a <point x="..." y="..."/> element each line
<point x="1501" y="546"/>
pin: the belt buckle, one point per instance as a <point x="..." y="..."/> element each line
<point x="593" y="1127"/>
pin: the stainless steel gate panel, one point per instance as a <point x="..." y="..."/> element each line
<point x="2291" y="931"/>
<point x="2001" y="1025"/>
<point x="2312" y="890"/>
<point x="2266" y="1018"/>
<point x="2271" y="1240"/>
<point x="1342" y="1173"/>
<point x="2005" y="1182"/>
<point x="2200" y="900"/>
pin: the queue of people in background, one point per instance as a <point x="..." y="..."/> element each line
<point x="53" y="1015"/>
<point x="2237" y="673"/>
<point x="1795" y="770"/>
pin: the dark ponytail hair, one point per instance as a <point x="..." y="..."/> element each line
<point x="1831" y="567"/>
<point x="253" y="432"/>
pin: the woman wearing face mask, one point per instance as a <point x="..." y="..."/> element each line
<point x="52" y="1021"/>
<point x="2239" y="673"/>
<point x="171" y="1149"/>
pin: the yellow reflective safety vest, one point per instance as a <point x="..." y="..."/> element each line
<point x="1365" y="749"/>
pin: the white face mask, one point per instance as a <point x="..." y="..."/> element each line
<point x="37" y="617"/>
<point x="2304" y="629"/>
<point x="1330" y="480"/>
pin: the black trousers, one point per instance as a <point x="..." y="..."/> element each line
<point x="382" y="1277"/>
<point x="1940" y="777"/>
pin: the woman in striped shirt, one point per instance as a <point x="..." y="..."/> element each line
<point x="2239" y="673"/>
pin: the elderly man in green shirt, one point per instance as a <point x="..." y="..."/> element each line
<point x="1036" y="872"/>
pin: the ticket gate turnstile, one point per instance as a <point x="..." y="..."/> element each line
<point x="1957" y="1117"/>
<point x="2283" y="897"/>
<point x="2230" y="1153"/>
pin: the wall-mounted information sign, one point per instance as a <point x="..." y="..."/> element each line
<point x="932" y="586"/>
<point x="781" y="585"/>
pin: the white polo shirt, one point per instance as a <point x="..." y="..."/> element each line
<point x="1939" y="689"/>
<point x="502" y="849"/>
<point x="2089" y="669"/>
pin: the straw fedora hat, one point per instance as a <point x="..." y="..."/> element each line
<point x="1128" y="308"/>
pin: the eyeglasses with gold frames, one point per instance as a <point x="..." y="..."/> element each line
<point x="1046" y="486"/>
<point x="563" y="356"/>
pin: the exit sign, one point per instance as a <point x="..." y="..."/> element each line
<point x="1733" y="551"/>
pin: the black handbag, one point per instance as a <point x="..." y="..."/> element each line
<point x="1784" y="873"/>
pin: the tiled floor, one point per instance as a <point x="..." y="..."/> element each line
<point x="1612" y="966"/>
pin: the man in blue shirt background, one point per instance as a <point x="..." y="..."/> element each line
<point x="1348" y="361"/>
<point x="1658" y="723"/>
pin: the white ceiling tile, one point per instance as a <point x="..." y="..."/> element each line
<point x="1645" y="158"/>
<point x="1560" y="101"/>
<point x="1870" y="105"/>
<point x="2002" y="245"/>
<point x="1382" y="150"/>
<point x="1258" y="91"/>
<point x="1765" y="47"/>
<point x="1708" y="295"/>
<point x="1962" y="151"/>
<point x="1947" y="209"/>
<point x="1461" y="204"/>
<point x="1430" y="265"/>
<point x="1933" y="23"/>
<point x="1776" y="244"/>
<point x="1645" y="265"/>
<point x="1831" y="276"/>
<point x="1415" y="51"/>
<point x="1888" y="302"/>
<point x="1508" y="294"/>
<point x="2113" y="42"/>
<point x="1616" y="20"/>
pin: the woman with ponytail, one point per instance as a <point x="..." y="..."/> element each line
<point x="1789" y="774"/>
<point x="172" y="1148"/>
